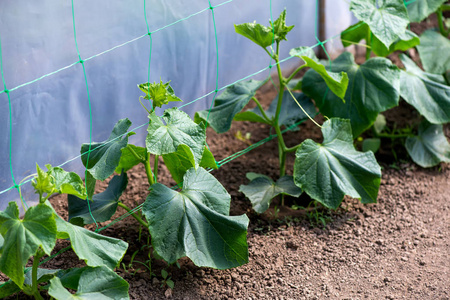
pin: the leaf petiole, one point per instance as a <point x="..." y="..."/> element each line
<point x="295" y="73"/>
<point x="261" y="109"/>
<point x="139" y="219"/>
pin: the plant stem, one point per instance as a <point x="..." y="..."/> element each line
<point x="394" y="136"/>
<point x="148" y="170"/>
<point x="440" y="18"/>
<point x="275" y="124"/>
<point x="369" y="44"/>
<point x="155" y="167"/>
<point x="34" y="287"/>
<point x="142" y="222"/>
<point x="445" y="7"/>
<point x="295" y="73"/>
<point x="261" y="109"/>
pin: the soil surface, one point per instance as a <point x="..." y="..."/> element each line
<point x="398" y="248"/>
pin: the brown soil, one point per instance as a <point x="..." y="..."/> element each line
<point x="395" y="249"/>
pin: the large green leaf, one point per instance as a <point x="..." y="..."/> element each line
<point x="359" y="31"/>
<point x="328" y="171"/>
<point x="434" y="51"/>
<point x="95" y="249"/>
<point x="43" y="275"/>
<point x="23" y="238"/>
<point x="387" y="19"/>
<point x="429" y="147"/>
<point x="428" y="93"/>
<point x="128" y="159"/>
<point x="228" y="104"/>
<point x="304" y="51"/>
<point x="104" y="204"/>
<point x="178" y="130"/>
<point x="261" y="190"/>
<point x="290" y="112"/>
<point x="94" y="283"/>
<point x="160" y="93"/>
<point x="420" y="9"/>
<point x="195" y="223"/>
<point x="373" y="88"/>
<point x="105" y="156"/>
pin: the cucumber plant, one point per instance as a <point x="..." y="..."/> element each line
<point x="192" y="222"/>
<point x="326" y="171"/>
<point x="36" y="234"/>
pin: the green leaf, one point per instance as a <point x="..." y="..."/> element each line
<point x="380" y="123"/>
<point x="429" y="147"/>
<point x="387" y="19"/>
<point x="95" y="249"/>
<point x="336" y="82"/>
<point x="104" y="204"/>
<point x="208" y="160"/>
<point x="160" y="93"/>
<point x="280" y="28"/>
<point x="195" y="223"/>
<point x="179" y="130"/>
<point x="105" y="156"/>
<point x="24" y="237"/>
<point x="304" y="51"/>
<point x="434" y="51"/>
<point x="290" y="112"/>
<point x="371" y="145"/>
<point x="228" y="104"/>
<point x="67" y="182"/>
<point x="257" y="33"/>
<point x="328" y="171"/>
<point x="428" y="93"/>
<point x="419" y="10"/>
<point x="128" y="160"/>
<point x="373" y="87"/>
<point x="261" y="191"/>
<point x="94" y="283"/>
<point x="43" y="182"/>
<point x="90" y="184"/>
<point x="179" y="162"/>
<point x="8" y="288"/>
<point x="359" y="31"/>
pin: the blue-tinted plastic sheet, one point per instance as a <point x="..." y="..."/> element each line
<point x="50" y="117"/>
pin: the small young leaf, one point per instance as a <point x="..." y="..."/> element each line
<point x="336" y="82"/>
<point x="428" y="93"/>
<point x="328" y="171"/>
<point x="380" y="123"/>
<point x="371" y="145"/>
<point x="128" y="160"/>
<point x="228" y="104"/>
<point x="94" y="283"/>
<point x="105" y="156"/>
<point x="208" y="160"/>
<point x="43" y="182"/>
<point x="280" y="28"/>
<point x="290" y="112"/>
<point x="257" y="33"/>
<point x="434" y="51"/>
<point x="419" y="10"/>
<point x="261" y="191"/>
<point x="23" y="238"/>
<point x="373" y="88"/>
<point x="104" y="204"/>
<point x="164" y="274"/>
<point x="429" y="147"/>
<point x="179" y="130"/>
<point x="387" y="19"/>
<point x="195" y="223"/>
<point x="160" y="93"/>
<point x="67" y="182"/>
<point x="170" y="283"/>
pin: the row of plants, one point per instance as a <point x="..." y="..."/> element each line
<point x="192" y="219"/>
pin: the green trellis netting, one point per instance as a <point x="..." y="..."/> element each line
<point x="70" y="68"/>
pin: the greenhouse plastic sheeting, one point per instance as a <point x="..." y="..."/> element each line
<point x="50" y="117"/>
